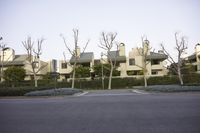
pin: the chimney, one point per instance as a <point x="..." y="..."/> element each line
<point x="7" y="54"/>
<point x="78" y="51"/>
<point x="146" y="46"/>
<point x="121" y="49"/>
<point x="197" y="49"/>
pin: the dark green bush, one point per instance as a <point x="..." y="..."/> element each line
<point x="193" y="79"/>
<point x="117" y="83"/>
<point x="165" y="80"/>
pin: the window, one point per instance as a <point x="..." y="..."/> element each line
<point x="193" y="60"/>
<point x="131" y="62"/>
<point x="154" y="72"/>
<point x="155" y="62"/>
<point x="64" y="65"/>
<point x="135" y="72"/>
<point x="85" y="64"/>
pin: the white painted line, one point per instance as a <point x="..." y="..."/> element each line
<point x="139" y="92"/>
<point x="84" y="93"/>
<point x="122" y="94"/>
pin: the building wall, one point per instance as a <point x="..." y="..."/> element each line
<point x="7" y="55"/>
<point x="197" y="51"/>
<point x="29" y="70"/>
<point x="64" y="71"/>
<point x="52" y="65"/>
<point x="134" y="54"/>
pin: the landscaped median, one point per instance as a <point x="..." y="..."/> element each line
<point x="40" y="91"/>
<point x="54" y="92"/>
<point x="170" y="88"/>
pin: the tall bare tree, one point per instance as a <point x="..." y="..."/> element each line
<point x="74" y="52"/>
<point x="2" y="47"/>
<point x="107" y="42"/>
<point x="33" y="57"/>
<point x="181" y="47"/>
<point x="143" y="51"/>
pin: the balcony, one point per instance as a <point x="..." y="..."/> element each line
<point x="155" y="67"/>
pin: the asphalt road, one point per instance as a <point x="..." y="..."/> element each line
<point x="102" y="112"/>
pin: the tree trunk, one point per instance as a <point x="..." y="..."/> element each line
<point x="102" y="77"/>
<point x="145" y="72"/>
<point x="145" y="80"/>
<point x="74" y="73"/>
<point x="35" y="79"/>
<point x="1" y="75"/>
<point x="180" y="76"/>
<point x="110" y="78"/>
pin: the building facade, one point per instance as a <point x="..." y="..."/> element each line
<point x="132" y="66"/>
<point x="128" y="66"/>
<point x="194" y="59"/>
<point x="85" y="59"/>
<point x="8" y="58"/>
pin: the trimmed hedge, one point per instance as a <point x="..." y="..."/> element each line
<point x="165" y="80"/>
<point x="117" y="83"/>
<point x="191" y="80"/>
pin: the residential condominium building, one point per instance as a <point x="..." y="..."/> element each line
<point x="194" y="59"/>
<point x="85" y="59"/>
<point x="131" y="66"/>
<point x="155" y="62"/>
<point x="127" y="66"/>
<point x="9" y="58"/>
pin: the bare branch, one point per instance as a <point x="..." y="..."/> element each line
<point x="38" y="52"/>
<point x="64" y="40"/>
<point x="167" y="53"/>
<point x="102" y="47"/>
<point x="86" y="45"/>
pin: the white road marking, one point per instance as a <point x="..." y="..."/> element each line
<point x="139" y="92"/>
<point x="117" y="94"/>
<point x="81" y="94"/>
<point x="91" y="94"/>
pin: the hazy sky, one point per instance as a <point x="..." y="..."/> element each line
<point x="157" y="19"/>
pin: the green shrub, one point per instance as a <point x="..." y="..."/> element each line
<point x="14" y="75"/>
<point x="164" y="80"/>
<point x="191" y="79"/>
<point x="117" y="83"/>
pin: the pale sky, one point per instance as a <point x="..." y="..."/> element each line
<point x="157" y="19"/>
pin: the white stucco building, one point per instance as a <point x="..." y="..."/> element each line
<point x="9" y="58"/>
<point x="194" y="59"/>
<point x="128" y="66"/>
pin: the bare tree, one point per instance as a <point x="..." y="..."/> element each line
<point x="74" y="52"/>
<point x="181" y="47"/>
<point x="107" y="43"/>
<point x="2" y="48"/>
<point x="33" y="57"/>
<point x="143" y="51"/>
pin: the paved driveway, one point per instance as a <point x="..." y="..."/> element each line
<point x="116" y="111"/>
